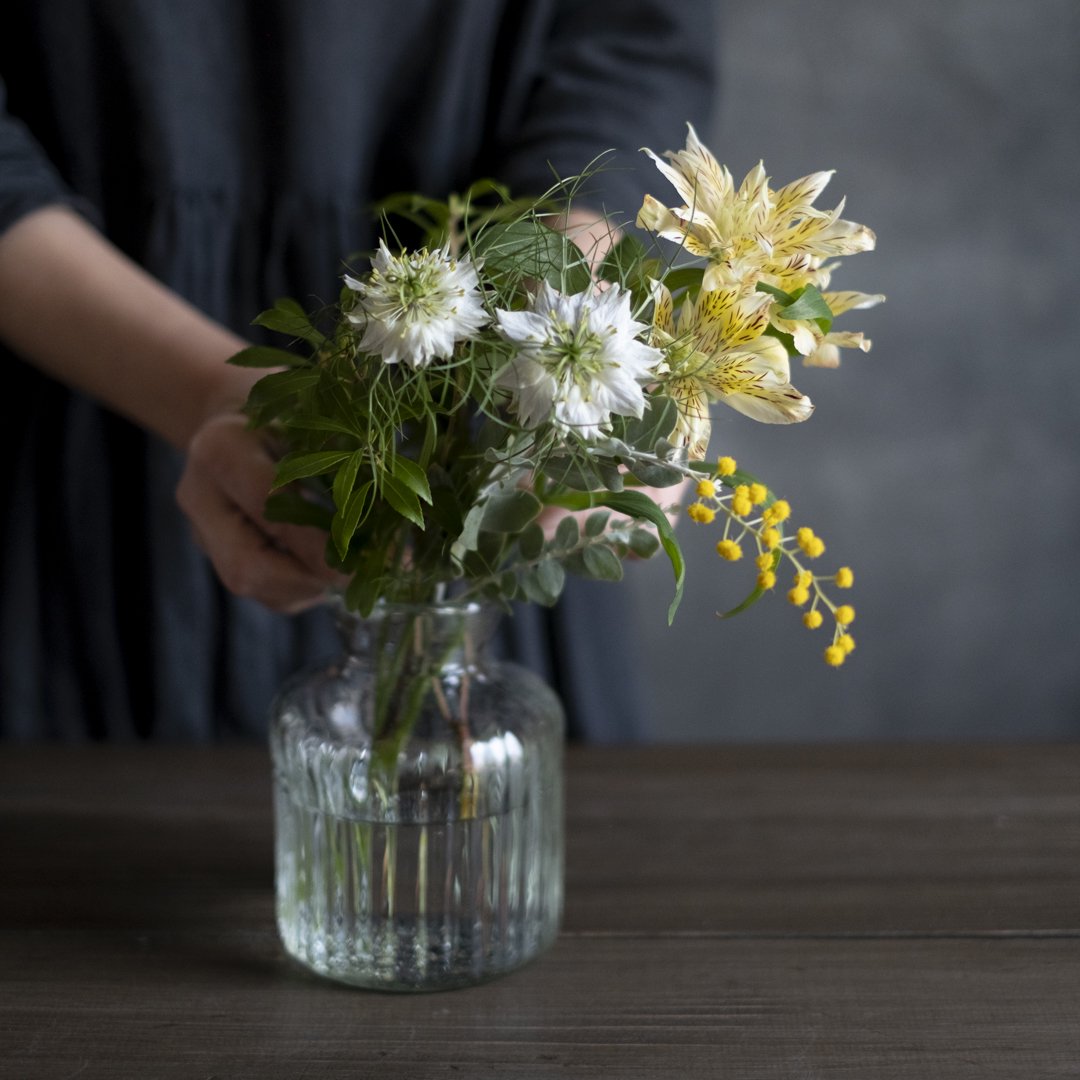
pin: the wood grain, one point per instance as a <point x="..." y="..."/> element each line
<point x="857" y="913"/>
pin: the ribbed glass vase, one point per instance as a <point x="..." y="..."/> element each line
<point x="419" y="805"/>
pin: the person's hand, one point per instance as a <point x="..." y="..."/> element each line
<point x="226" y="479"/>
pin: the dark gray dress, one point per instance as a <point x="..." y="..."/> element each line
<point x="233" y="148"/>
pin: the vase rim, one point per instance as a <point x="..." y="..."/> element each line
<point x="392" y="607"/>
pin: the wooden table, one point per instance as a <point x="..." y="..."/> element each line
<point x="856" y="913"/>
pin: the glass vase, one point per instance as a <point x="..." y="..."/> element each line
<point x="418" y="805"/>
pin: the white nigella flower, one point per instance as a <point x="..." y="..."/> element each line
<point x="578" y="360"/>
<point x="416" y="306"/>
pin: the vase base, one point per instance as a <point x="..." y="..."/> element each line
<point x="410" y="958"/>
<point x="411" y="907"/>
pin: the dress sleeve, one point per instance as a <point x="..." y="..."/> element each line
<point x="608" y="77"/>
<point x="28" y="179"/>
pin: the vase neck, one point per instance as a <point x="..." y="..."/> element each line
<point x="448" y="635"/>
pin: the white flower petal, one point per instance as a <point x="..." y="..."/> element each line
<point x="839" y="302"/>
<point x="417" y="306"/>
<point x="772" y="406"/>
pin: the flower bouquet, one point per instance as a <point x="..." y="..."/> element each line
<point x="475" y="418"/>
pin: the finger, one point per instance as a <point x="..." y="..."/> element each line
<point x="245" y="470"/>
<point x="246" y="559"/>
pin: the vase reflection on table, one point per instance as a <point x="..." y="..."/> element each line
<point x="419" y="806"/>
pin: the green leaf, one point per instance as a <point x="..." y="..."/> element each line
<point x="551" y="578"/>
<point x="324" y="423"/>
<point x="756" y="594"/>
<point x="288" y="317"/>
<point x="280" y="385"/>
<point x="643" y="543"/>
<point x="658" y="422"/>
<point x="470" y="533"/>
<point x="567" y="533"/>
<point x="262" y="356"/>
<point x="686" y="277"/>
<point x="345" y="480"/>
<point x="635" y="504"/>
<point x="544" y="582"/>
<point x="412" y="476"/>
<point x="510" y="511"/>
<point x="528" y="248"/>
<point x="363" y="591"/>
<point x="531" y="542"/>
<point x="596" y="522"/>
<point x="611" y="476"/>
<point x="297" y="466"/>
<point x="293" y="508"/>
<point x="346" y="521"/>
<point x="772" y="290"/>
<point x="403" y="499"/>
<point x="654" y="475"/>
<point x="623" y="262"/>
<point x="572" y="473"/>
<point x="809" y="304"/>
<point x="602" y="563"/>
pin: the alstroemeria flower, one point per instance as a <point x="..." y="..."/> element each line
<point x="818" y="348"/>
<point x="415" y="307"/>
<point x="752" y="231"/>
<point x="578" y="360"/>
<point x="719" y="351"/>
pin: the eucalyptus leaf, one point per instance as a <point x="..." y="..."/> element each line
<point x="602" y="563"/>
<point x="653" y="475"/>
<point x="542" y="584"/>
<point x="658" y="422"/>
<point x="531" y="542"/>
<point x="596" y="522"/>
<point x="510" y="511"/>
<point x="550" y="577"/>
<point x="470" y="533"/>
<point x="610" y="476"/>
<point x="528" y="248"/>
<point x="567" y="534"/>
<point x="637" y="505"/>
<point x="612" y="447"/>
<point x="574" y="563"/>
<point x="572" y="473"/>
<point x="644" y="543"/>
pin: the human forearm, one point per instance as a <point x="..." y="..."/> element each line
<point x="81" y="311"/>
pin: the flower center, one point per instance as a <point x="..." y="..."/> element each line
<point x="577" y="353"/>
<point x="414" y="289"/>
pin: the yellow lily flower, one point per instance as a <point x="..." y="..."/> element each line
<point x="718" y="351"/>
<point x="751" y="232"/>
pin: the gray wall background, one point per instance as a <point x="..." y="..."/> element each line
<point x="942" y="466"/>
